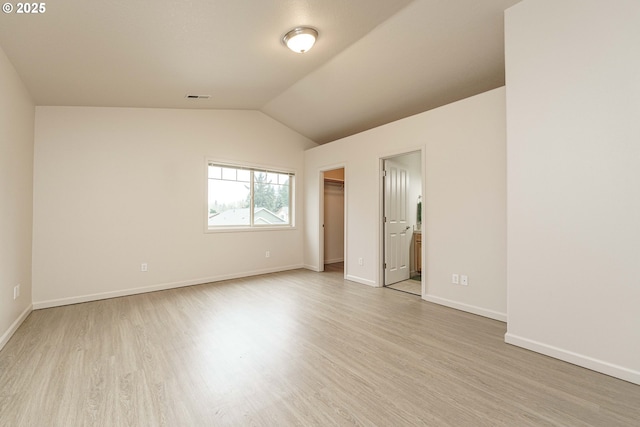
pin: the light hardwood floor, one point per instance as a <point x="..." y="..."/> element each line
<point x="410" y="286"/>
<point x="292" y="348"/>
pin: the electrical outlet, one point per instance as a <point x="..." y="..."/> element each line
<point x="267" y="254"/>
<point x="360" y="261"/>
<point x="15" y="292"/>
<point x="464" y="280"/>
<point x="18" y="290"/>
<point x="455" y="279"/>
<point x="144" y="267"/>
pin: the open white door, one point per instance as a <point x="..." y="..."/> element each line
<point x="397" y="231"/>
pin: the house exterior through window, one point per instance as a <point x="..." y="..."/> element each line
<point x="245" y="197"/>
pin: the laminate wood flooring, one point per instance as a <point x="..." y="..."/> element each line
<point x="409" y="286"/>
<point x="292" y="348"/>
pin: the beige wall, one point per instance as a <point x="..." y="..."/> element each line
<point x="464" y="163"/>
<point x="116" y="187"/>
<point x="16" y="198"/>
<point x="573" y="170"/>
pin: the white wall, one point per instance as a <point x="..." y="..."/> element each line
<point x="464" y="200"/>
<point x="115" y="187"/>
<point x="573" y="170"/>
<point x="17" y="114"/>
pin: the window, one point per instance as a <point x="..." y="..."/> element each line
<point x="243" y="197"/>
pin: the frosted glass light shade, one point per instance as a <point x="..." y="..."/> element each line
<point x="300" y="39"/>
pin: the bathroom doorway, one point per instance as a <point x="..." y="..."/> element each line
<point x="402" y="222"/>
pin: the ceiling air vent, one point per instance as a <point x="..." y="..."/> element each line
<point x="197" y="96"/>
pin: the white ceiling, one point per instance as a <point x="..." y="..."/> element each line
<point x="375" y="60"/>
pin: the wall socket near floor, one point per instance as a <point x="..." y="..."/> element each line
<point x="267" y="254"/>
<point x="360" y="261"/>
<point x="16" y="291"/>
<point x="144" y="267"/>
<point x="460" y="279"/>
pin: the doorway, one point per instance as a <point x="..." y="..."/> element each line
<point x="333" y="220"/>
<point x="402" y="222"/>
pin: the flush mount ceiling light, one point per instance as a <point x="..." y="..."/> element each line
<point x="300" y="39"/>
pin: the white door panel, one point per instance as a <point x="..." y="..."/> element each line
<point x="397" y="230"/>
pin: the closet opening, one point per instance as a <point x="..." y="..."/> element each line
<point x="333" y="220"/>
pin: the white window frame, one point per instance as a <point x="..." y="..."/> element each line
<point x="253" y="168"/>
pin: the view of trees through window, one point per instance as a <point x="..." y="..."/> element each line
<point x="270" y="191"/>
<point x="233" y="190"/>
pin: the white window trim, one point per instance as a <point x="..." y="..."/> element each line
<point x="249" y="228"/>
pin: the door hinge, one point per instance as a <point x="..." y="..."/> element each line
<point x="385" y="265"/>
<point x="384" y="173"/>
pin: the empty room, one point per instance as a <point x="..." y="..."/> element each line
<point x="363" y="212"/>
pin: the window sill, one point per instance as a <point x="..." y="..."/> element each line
<point x="247" y="229"/>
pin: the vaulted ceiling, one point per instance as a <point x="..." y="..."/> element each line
<point x="375" y="61"/>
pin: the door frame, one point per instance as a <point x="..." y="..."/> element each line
<point x="381" y="240"/>
<point x="321" y="214"/>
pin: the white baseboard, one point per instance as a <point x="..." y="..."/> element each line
<point x="491" y="314"/>
<point x="333" y="260"/>
<point x="361" y="280"/>
<point x="161" y="287"/>
<point x="312" y="268"/>
<point x="14" y="326"/>
<point x="575" y="358"/>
